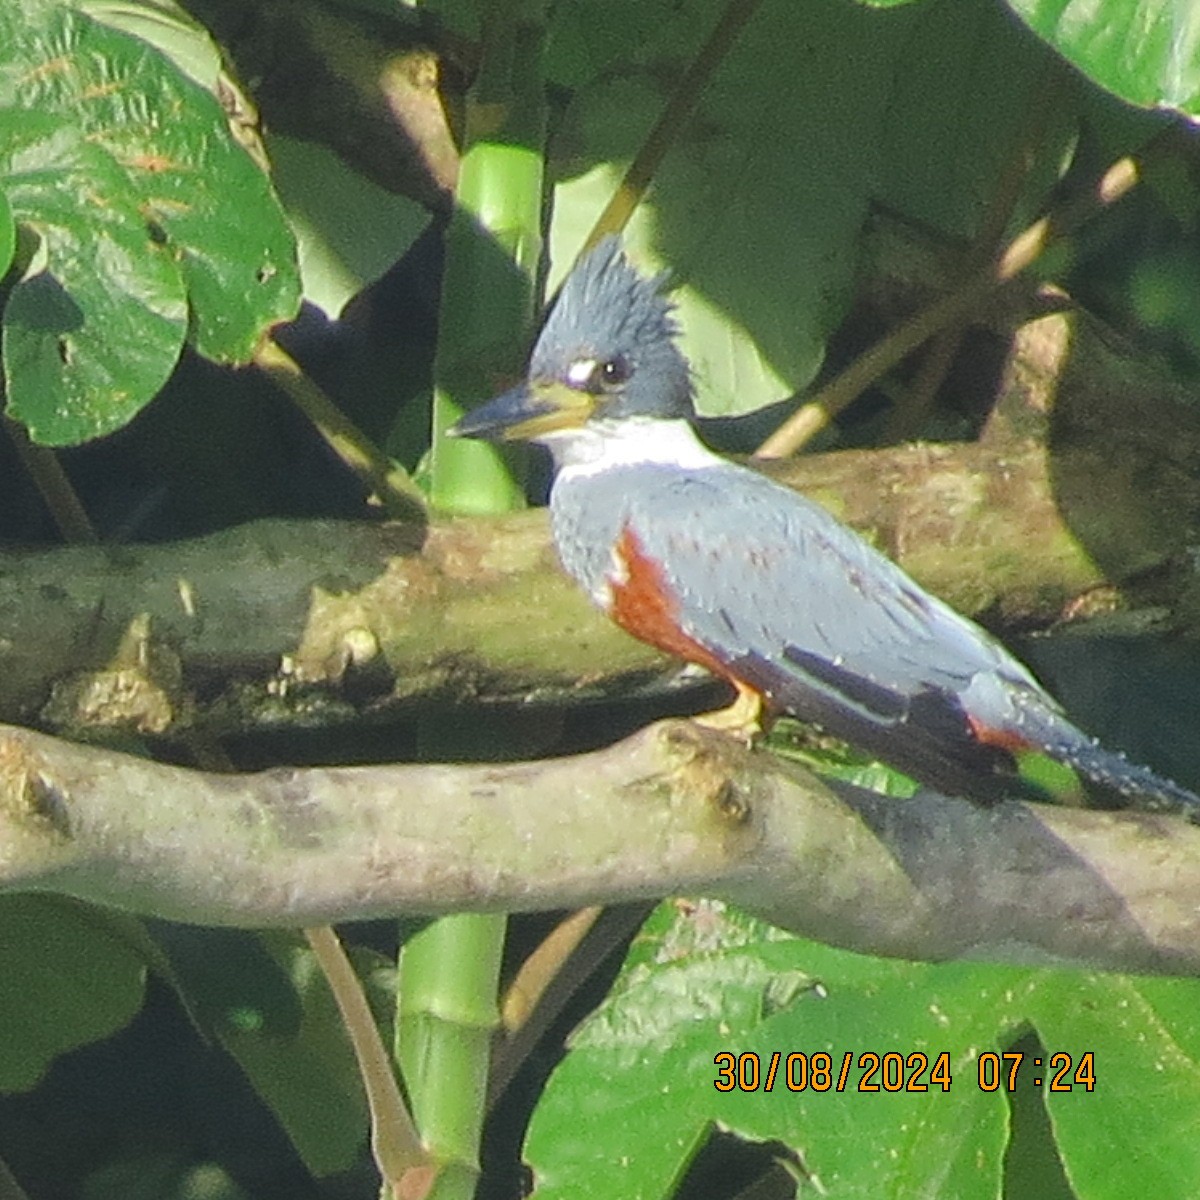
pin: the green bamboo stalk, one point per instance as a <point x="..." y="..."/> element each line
<point x="493" y="245"/>
<point x="449" y="972"/>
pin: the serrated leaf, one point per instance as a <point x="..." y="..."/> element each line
<point x="93" y="333"/>
<point x="1133" y="1134"/>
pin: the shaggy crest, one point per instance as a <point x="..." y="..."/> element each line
<point x="606" y="310"/>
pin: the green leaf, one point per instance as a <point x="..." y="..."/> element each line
<point x="794" y="742"/>
<point x="1145" y="51"/>
<point x="1133" y="1135"/>
<point x="348" y="229"/>
<point x="153" y="223"/>
<point x="636" y="1095"/>
<point x="588" y="37"/>
<point x="165" y="26"/>
<point x="264" y="998"/>
<point x="68" y="976"/>
<point x="816" y="112"/>
<point x="93" y="330"/>
<point x="762" y="244"/>
<point x="8" y="235"/>
<point x="964" y="67"/>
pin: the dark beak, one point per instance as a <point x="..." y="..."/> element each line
<point x="525" y="412"/>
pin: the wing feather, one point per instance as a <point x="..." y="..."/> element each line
<point x="827" y="627"/>
<point x="758" y="568"/>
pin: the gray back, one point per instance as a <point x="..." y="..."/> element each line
<point x="761" y="572"/>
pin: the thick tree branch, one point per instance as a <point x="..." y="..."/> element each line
<point x="673" y="809"/>
<point x="1080" y="499"/>
<point x="317" y="623"/>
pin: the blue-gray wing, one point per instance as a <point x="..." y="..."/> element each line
<point x="801" y="608"/>
<point x="757" y="568"/>
<point x="827" y="627"/>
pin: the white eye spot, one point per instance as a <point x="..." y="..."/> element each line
<point x="580" y="372"/>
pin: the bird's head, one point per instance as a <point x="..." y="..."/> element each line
<point x="606" y="353"/>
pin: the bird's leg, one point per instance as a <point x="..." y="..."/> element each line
<point x="743" y="718"/>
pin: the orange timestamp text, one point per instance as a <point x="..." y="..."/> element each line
<point x="892" y="1071"/>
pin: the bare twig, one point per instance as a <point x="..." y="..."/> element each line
<point x="667" y="128"/>
<point x="389" y="484"/>
<point x="394" y="1142"/>
<point x="954" y="308"/>
<point x="53" y="485"/>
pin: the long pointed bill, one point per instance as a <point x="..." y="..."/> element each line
<point x="525" y="413"/>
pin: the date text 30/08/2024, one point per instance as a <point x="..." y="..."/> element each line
<point x="896" y="1072"/>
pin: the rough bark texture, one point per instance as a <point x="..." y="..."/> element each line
<point x="673" y="809"/>
<point x="305" y="624"/>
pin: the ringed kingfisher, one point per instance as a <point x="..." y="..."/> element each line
<point x="720" y="566"/>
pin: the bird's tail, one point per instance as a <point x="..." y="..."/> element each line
<point x="1143" y="788"/>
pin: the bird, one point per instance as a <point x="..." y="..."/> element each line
<point x="717" y="565"/>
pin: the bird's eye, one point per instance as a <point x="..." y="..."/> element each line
<point x="598" y="375"/>
<point x="612" y="373"/>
